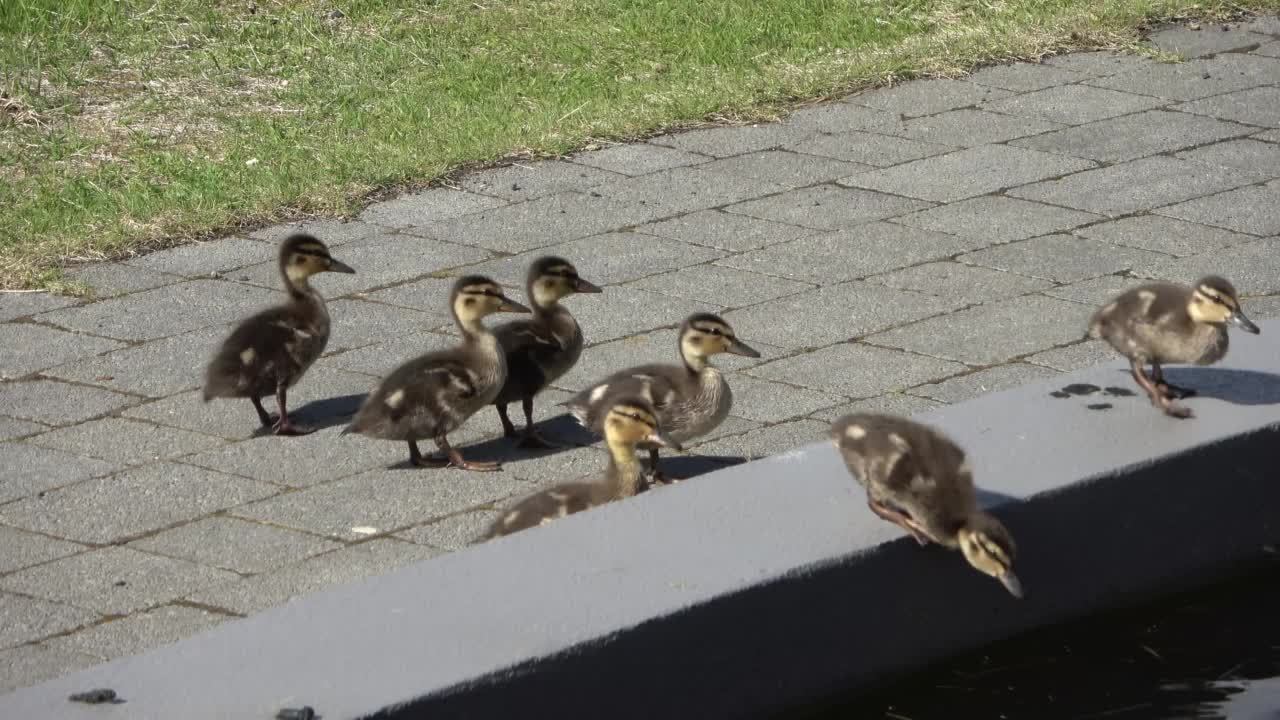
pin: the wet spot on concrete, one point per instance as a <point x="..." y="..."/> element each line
<point x="1099" y="406"/>
<point x="1081" y="389"/>
<point x="1119" y="392"/>
<point x="1060" y="394"/>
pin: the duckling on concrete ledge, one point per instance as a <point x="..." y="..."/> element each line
<point x="691" y="399"/>
<point x="1162" y="323"/>
<point x="628" y="421"/>
<point x="269" y="352"/>
<point x="433" y="395"/>
<point x="541" y="349"/>
<point x="917" y="478"/>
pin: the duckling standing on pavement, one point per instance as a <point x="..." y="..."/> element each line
<point x="433" y="395"/>
<point x="542" y="348"/>
<point x="627" y="422"/>
<point x="1162" y="323"/>
<point x="691" y="399"/>
<point x="918" y="479"/>
<point x="269" y="352"/>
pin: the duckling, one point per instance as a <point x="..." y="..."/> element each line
<point x="1163" y="323"/>
<point x="542" y="348"/>
<point x="627" y="422"/>
<point x="917" y="478"/>
<point x="433" y="395"/>
<point x="269" y="352"/>
<point x="692" y="399"/>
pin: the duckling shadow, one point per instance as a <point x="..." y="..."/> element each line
<point x="563" y="430"/>
<point x="326" y="413"/>
<point x="991" y="498"/>
<point x="1239" y="387"/>
<point x="693" y="465"/>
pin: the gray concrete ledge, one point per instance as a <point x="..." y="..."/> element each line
<point x="758" y="588"/>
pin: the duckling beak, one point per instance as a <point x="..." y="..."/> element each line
<point x="737" y="347"/>
<point x="1238" y="319"/>
<point x="339" y="266"/>
<point x="1012" y="584"/>
<point x="664" y="440"/>
<point x="511" y="306"/>
<point x="582" y="286"/>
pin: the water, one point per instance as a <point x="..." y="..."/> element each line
<point x="1210" y="654"/>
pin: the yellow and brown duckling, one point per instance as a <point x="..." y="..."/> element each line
<point x="917" y="478"/>
<point x="627" y="422"/>
<point x="433" y="395"/>
<point x="691" y="399"/>
<point x="542" y="348"/>
<point x="269" y="352"/>
<point x="1163" y="323"/>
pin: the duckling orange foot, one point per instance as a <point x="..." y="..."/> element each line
<point x="456" y="459"/>
<point x="284" y="428"/>
<point x="900" y="519"/>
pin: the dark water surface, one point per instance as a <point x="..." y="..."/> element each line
<point x="1210" y="654"/>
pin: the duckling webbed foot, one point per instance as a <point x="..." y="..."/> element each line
<point x="508" y="429"/>
<point x="899" y="518"/>
<point x="266" y="418"/>
<point x="656" y="475"/>
<point x="282" y="425"/>
<point x="456" y="459"/>
<point x="1170" y="390"/>
<point x="532" y="439"/>
<point x="417" y="459"/>
<point x="1159" y="398"/>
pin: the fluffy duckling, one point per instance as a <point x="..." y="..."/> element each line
<point x="433" y="395"/>
<point x="691" y="399"/>
<point x="269" y="352"/>
<point x="542" y="348"/>
<point x="917" y="478"/>
<point x="1163" y="323"/>
<point x="628" y="422"/>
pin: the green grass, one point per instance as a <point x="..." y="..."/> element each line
<point x="132" y="124"/>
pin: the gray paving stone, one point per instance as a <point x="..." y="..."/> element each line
<point x="1134" y="186"/>
<point x="725" y="231"/>
<point x="1264" y="24"/>
<point x="1061" y="258"/>
<point x="203" y="259"/>
<point x="889" y="404"/>
<point x="969" y="127"/>
<point x="1094" y="292"/>
<point x="1163" y="234"/>
<point x="1263" y="307"/>
<point x="857" y="371"/>
<point x="671" y="192"/>
<point x="233" y="544"/>
<point x="1254" y="268"/>
<point x="297" y="462"/>
<point x="26" y="348"/>
<point x="765" y="401"/>
<point x="1134" y="136"/>
<point x="1269" y="136"/>
<point x="381" y="358"/>
<point x="16" y="305"/>
<point x="356" y="323"/>
<point x="993" y="333"/>
<point x="724" y="285"/>
<point x="1079" y="356"/>
<point x="1259" y="158"/>
<point x="33" y="664"/>
<point x="429" y="295"/>
<point x="113" y="580"/>
<point x="844" y="117"/>
<point x="997" y="219"/>
<point x="604" y="259"/>
<point x="785" y="169"/>
<point x="111" y="279"/>
<point x="1254" y="210"/>
<point x="538" y="223"/>
<point x="382" y="499"/>
<point x="866" y="250"/>
<point x="927" y="97"/>
<point x="427" y="207"/>
<point x="868" y="148"/>
<point x="726" y="141"/>
<point x="56" y="403"/>
<point x="381" y="259"/>
<point x="622" y="311"/>
<point x="638" y="158"/>
<point x="832" y="314"/>
<point x="339" y="567"/>
<point x="330" y="232"/>
<point x="165" y="311"/>
<point x="991" y="380"/>
<point x="11" y="428"/>
<point x="583" y="464"/>
<point x="111" y="509"/>
<point x="24" y="549"/>
<point x="24" y="619"/>
<point x="960" y="283"/>
<point x="828" y="207"/>
<point x="156" y="369"/>
<point x="766" y="441"/>
<point x="660" y="346"/>
<point x="452" y="533"/>
<point x="136" y="633"/>
<point x="1073" y="104"/>
<point x="1271" y="49"/>
<point x="1025" y="77"/>
<point x="125" y="442"/>
<point x="1102" y="63"/>
<point x="963" y="174"/>
<point x="523" y="181"/>
<point x="1196" y="78"/>
<point x="1207" y="40"/>
<point x="30" y="469"/>
<point x="1257" y="106"/>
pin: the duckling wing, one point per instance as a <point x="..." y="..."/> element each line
<point x="431" y="395"/>
<point x="543" y="507"/>
<point x="530" y="350"/>
<point x="272" y="346"/>
<point x="661" y="385"/>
